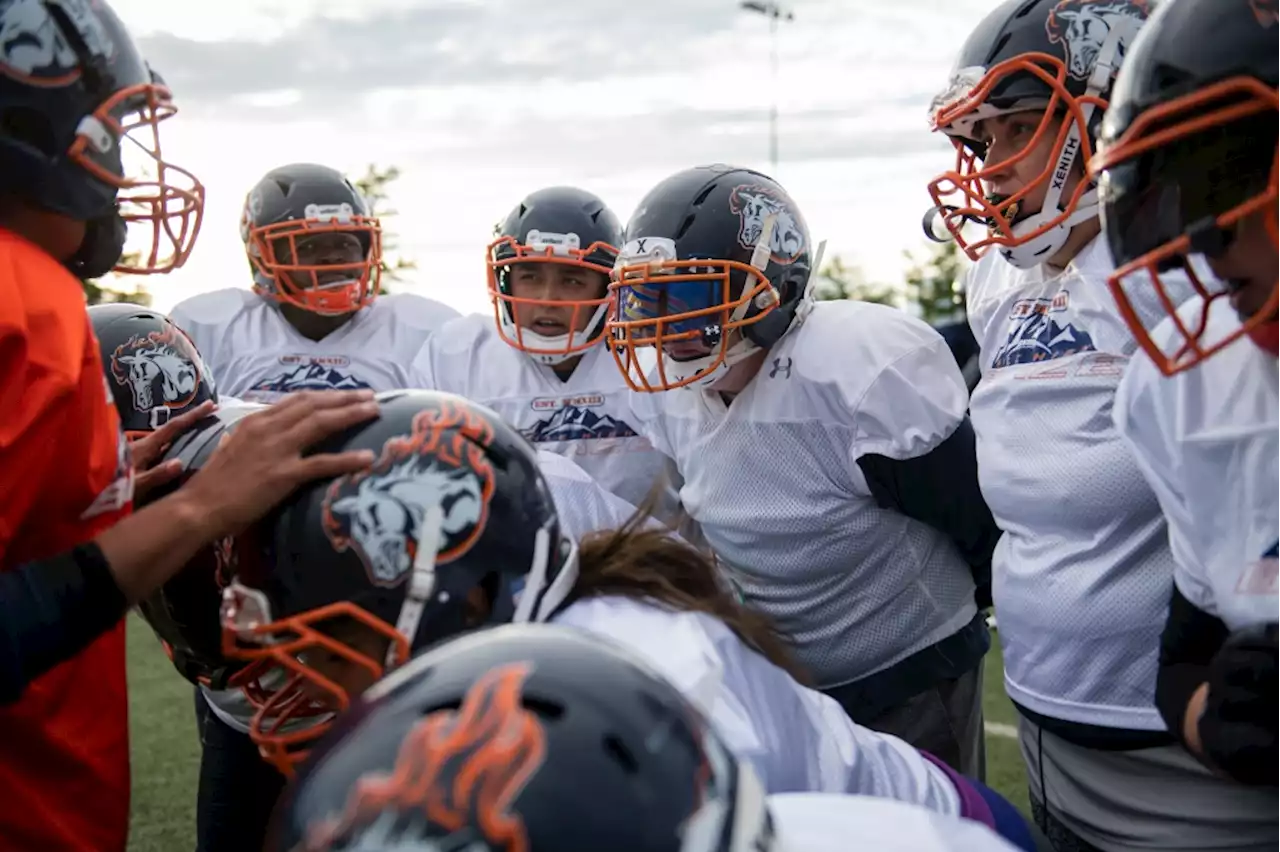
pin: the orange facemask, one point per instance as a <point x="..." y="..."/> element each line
<point x="505" y="253"/>
<point x="1211" y="107"/>
<point x="277" y="254"/>
<point x="294" y="702"/>
<point x="163" y="201"/>
<point x="962" y="195"/>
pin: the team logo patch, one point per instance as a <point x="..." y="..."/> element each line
<point x="1041" y="330"/>
<point x="1266" y="12"/>
<point x="33" y="49"/>
<point x="455" y="781"/>
<point x="752" y="203"/>
<point x="162" y="371"/>
<point x="1082" y="27"/>
<point x="379" y="513"/>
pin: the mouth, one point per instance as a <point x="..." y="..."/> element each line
<point x="1012" y="213"/>
<point x="548" y="327"/>
<point x="685" y="351"/>
<point x="325" y="280"/>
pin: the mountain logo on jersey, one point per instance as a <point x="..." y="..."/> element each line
<point x="577" y="423"/>
<point x="753" y="203"/>
<point x="161" y="369"/>
<point x="1082" y="27"/>
<point x="455" y="781"/>
<point x="1037" y="335"/>
<point x="309" y="372"/>
<point x="379" y="513"/>
<point x="1263" y="576"/>
<point x="1266" y="12"/>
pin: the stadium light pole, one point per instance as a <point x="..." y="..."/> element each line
<point x="775" y="12"/>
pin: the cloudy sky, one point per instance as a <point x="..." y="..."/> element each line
<point x="482" y="101"/>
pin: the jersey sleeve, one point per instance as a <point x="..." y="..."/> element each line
<point x="1143" y="413"/>
<point x="913" y="404"/>
<point x="582" y="504"/>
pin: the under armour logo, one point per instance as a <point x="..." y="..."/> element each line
<point x="781" y="365"/>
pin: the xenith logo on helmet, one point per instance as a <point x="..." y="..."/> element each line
<point x="753" y="203"/>
<point x="162" y="370"/>
<point x="1082" y="27"/>
<point x="379" y="513"/>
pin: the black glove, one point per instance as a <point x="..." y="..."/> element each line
<point x="101" y="248"/>
<point x="1238" y="728"/>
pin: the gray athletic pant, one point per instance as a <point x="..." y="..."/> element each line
<point x="1087" y="800"/>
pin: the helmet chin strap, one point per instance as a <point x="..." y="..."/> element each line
<point x="550" y="351"/>
<point x="1038" y="250"/>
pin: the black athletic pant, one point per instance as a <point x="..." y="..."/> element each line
<point x="238" y="789"/>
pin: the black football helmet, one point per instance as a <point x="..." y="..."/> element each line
<point x="184" y="613"/>
<point x="153" y="368"/>
<point x="1055" y="57"/>
<point x="312" y="240"/>
<point x="561" y="225"/>
<point x="524" y="737"/>
<point x="366" y="569"/>
<point x="1188" y="149"/>
<point x="715" y="266"/>
<point x="75" y="95"/>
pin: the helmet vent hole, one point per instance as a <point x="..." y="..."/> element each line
<point x="547" y="710"/>
<point x="685" y="226"/>
<point x="616" y="749"/>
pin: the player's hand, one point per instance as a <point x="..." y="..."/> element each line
<point x="148" y="450"/>
<point x="1238" y="728"/>
<point x="260" y="462"/>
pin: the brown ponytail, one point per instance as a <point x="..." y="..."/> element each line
<point x="653" y="565"/>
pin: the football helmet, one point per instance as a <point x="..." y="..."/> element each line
<point x="80" y="116"/>
<point x="715" y="266"/>
<point x="312" y="240"/>
<point x="1056" y="57"/>
<point x="1188" y="149"/>
<point x="365" y="569"/>
<point x="560" y="225"/>
<point x="524" y="737"/>
<point x="153" y="368"/>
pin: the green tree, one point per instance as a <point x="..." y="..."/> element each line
<point x="375" y="186"/>
<point x="839" y="279"/>
<point x="933" y="282"/>
<point x="99" y="291"/>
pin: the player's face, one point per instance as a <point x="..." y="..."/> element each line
<point x="1248" y="267"/>
<point x="1006" y="138"/>
<point x="549" y="283"/>
<point x="343" y="252"/>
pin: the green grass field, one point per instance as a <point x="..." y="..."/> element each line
<point x="166" y="753"/>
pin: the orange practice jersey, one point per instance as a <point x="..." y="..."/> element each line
<point x="65" y="475"/>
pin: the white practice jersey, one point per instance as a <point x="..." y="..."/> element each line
<point x="582" y="507"/>
<point x="1208" y="440"/>
<point x="1081" y="575"/>
<point x="773" y="482"/>
<point x="796" y="739"/>
<point x="587" y="418"/>
<point x="815" y="822"/>
<point x="254" y="353"/>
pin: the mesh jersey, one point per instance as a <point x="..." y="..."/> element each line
<point x="773" y="482"/>
<point x="255" y="355"/>
<point x="1207" y="441"/>
<point x="65" y="476"/>
<point x="587" y="417"/>
<point x="796" y="739"/>
<point x="1081" y="574"/>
